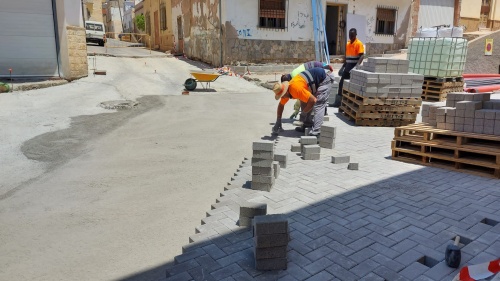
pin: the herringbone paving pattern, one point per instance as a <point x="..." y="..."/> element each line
<point x="376" y="223"/>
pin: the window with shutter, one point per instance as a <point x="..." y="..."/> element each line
<point x="386" y="21"/>
<point x="272" y="13"/>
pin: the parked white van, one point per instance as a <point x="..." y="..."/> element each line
<point x="95" y="32"/>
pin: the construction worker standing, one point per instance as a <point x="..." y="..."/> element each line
<point x="312" y="87"/>
<point x="298" y="104"/>
<point x="354" y="54"/>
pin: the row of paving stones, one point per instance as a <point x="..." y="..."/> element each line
<point x="387" y="221"/>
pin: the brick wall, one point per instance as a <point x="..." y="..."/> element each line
<point x="77" y="50"/>
<point x="415" y="8"/>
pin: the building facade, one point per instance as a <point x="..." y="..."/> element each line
<point x="93" y="10"/>
<point x="49" y="43"/>
<point x="230" y="31"/>
<point x="480" y="14"/>
<point x="158" y="21"/>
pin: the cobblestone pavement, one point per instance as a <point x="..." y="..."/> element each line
<point x="477" y="62"/>
<point x="377" y="223"/>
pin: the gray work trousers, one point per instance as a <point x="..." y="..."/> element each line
<point x="317" y="114"/>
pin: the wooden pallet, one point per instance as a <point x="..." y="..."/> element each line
<point x="441" y="85"/>
<point x="441" y="95"/>
<point x="467" y="152"/>
<point x="444" y="79"/>
<point x="360" y="100"/>
<point x="392" y="115"/>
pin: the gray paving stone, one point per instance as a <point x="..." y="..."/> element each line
<point x="363" y="255"/>
<point x="214" y="251"/>
<point x="323" y="275"/>
<point x="184" y="276"/>
<point x="388" y="274"/>
<point x="365" y="268"/>
<point x="439" y="271"/>
<point x="270" y="224"/>
<point x="226" y="271"/>
<point x="297" y="271"/>
<point x="409" y="257"/>
<point x="372" y="277"/>
<point x="263" y="145"/>
<point x="388" y="262"/>
<point x="414" y="270"/>
<point x="341" y="260"/>
<point x="189" y="255"/>
<point x="318" y="265"/>
<point x="271" y="240"/>
<point x="341" y="273"/>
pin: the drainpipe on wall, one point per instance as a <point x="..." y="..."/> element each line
<point x="494" y="15"/>
<point x="220" y="35"/>
<point x="56" y="36"/>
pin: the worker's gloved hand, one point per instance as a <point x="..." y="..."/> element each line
<point x="294" y="115"/>
<point x="277" y="127"/>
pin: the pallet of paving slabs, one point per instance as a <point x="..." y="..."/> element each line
<point x="439" y="95"/>
<point x="467" y="152"/>
<point x="357" y="115"/>
<point x="360" y="100"/>
<point x="358" y="107"/>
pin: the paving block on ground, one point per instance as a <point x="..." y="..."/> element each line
<point x="311" y="149"/>
<point x="276" y="167"/>
<point x="296" y="148"/>
<point x="259" y="162"/>
<point x="353" y="166"/>
<point x="268" y="155"/>
<point x="271" y="264"/>
<point x="306" y="140"/>
<point x="282" y="159"/>
<point x="326" y="118"/>
<point x="270" y="224"/>
<point x="263" y="179"/>
<point x="271" y="240"/>
<point x="263" y="145"/>
<point x="312" y="156"/>
<point x="270" y="253"/>
<point x="327" y="145"/>
<point x="261" y="186"/>
<point x="341" y="159"/>
<point x="252" y="209"/>
<point x="245" y="221"/>
<point x="264" y="171"/>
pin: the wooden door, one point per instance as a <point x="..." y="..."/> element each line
<point x="180" y="36"/>
<point x="157" y="29"/>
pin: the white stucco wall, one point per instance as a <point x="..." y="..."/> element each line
<point x="244" y="17"/>
<point x="368" y="9"/>
<point x="73" y="13"/>
<point x="470" y="9"/>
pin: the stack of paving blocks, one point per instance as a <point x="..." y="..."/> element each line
<point x="383" y="90"/>
<point x="333" y="93"/>
<point x="271" y="236"/>
<point x="249" y="210"/>
<point x="310" y="150"/>
<point x="263" y="175"/>
<point x="327" y="136"/>
<point x="465" y="112"/>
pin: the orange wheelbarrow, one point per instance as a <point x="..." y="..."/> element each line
<point x="202" y="77"/>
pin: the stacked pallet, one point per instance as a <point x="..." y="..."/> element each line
<point x="437" y="89"/>
<point x="465" y="152"/>
<point x="382" y="94"/>
<point x="463" y="134"/>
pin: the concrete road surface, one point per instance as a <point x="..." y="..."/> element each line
<point x="119" y="49"/>
<point x="88" y="193"/>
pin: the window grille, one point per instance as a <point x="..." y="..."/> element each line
<point x="272" y="14"/>
<point x="386" y="21"/>
<point x="148" y="23"/>
<point x="163" y="17"/>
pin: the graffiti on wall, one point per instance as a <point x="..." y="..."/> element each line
<point x="300" y="21"/>
<point x="244" y="32"/>
<point x="370" y="22"/>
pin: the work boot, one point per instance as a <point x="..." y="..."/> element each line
<point x="300" y="129"/>
<point x="338" y="100"/>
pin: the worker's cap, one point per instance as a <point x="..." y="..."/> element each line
<point x="280" y="89"/>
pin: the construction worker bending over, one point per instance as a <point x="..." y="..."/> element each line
<point x="312" y="87"/>
<point x="354" y="54"/>
<point x="287" y="77"/>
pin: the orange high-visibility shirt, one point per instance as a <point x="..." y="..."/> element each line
<point x="298" y="89"/>
<point x="353" y="51"/>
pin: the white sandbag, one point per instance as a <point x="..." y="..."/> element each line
<point x="456" y="31"/>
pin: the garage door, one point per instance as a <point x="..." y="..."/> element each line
<point x="27" y="37"/>
<point x="436" y="12"/>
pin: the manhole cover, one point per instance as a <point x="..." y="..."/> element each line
<point x="118" y="104"/>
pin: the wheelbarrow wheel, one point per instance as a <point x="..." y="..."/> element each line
<point x="190" y="84"/>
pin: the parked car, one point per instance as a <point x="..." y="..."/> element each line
<point x="95" y="32"/>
